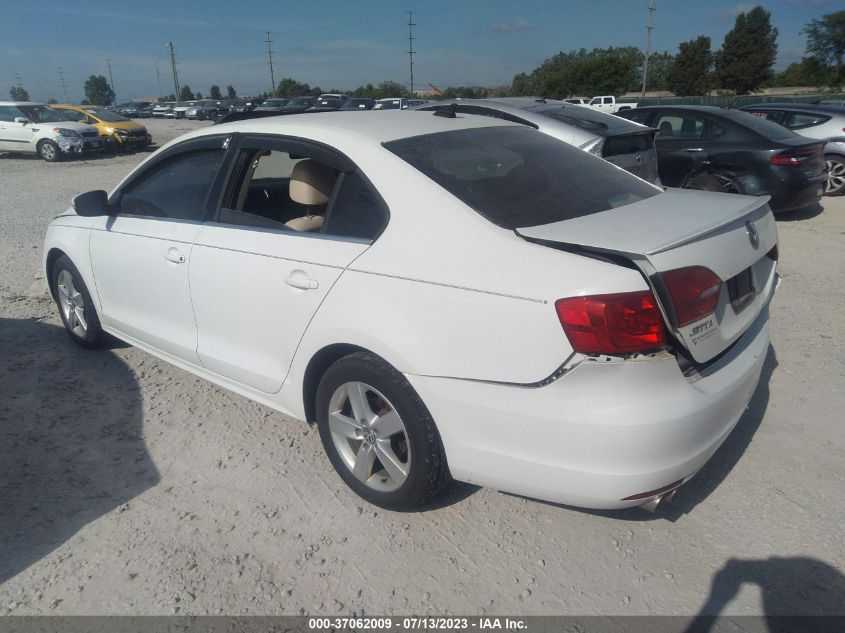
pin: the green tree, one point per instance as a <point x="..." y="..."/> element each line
<point x="51" y="101"/>
<point x="185" y="93"/>
<point x="689" y="74"/>
<point x="214" y="92"/>
<point x="288" y="88"/>
<point x="808" y="72"/>
<point x="230" y="92"/>
<point x="583" y="73"/>
<point x="748" y="53"/>
<point x="197" y="95"/>
<point x="98" y="92"/>
<point x="826" y="43"/>
<point x="523" y="85"/>
<point x="658" y="66"/>
<point x="16" y="93"/>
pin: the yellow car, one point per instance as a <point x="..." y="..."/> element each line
<point x="117" y="131"/>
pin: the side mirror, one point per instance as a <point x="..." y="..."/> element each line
<point x="92" y="204"/>
<point x="20" y="119"/>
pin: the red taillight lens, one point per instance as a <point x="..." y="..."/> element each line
<point x="612" y="324"/>
<point x="773" y="254"/>
<point x="793" y="157"/>
<point x="695" y="292"/>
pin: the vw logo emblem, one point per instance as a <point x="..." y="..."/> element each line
<point x="753" y="236"/>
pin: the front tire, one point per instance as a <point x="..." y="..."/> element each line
<point x="378" y="434"/>
<point x="835" y="175"/>
<point x="49" y="151"/>
<point x="75" y="305"/>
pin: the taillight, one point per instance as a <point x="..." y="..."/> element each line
<point x="695" y="292"/>
<point x="793" y="157"/>
<point x="612" y="324"/>
<point x="773" y="253"/>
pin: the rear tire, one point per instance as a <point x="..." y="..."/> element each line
<point x="49" y="151"/>
<point x="378" y="434"/>
<point x="75" y="305"/>
<point x="713" y="182"/>
<point x="835" y="175"/>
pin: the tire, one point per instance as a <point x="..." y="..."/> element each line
<point x="835" y="175"/>
<point x="398" y="451"/>
<point x="49" y="151"/>
<point x="713" y="182"/>
<point x="75" y="305"/>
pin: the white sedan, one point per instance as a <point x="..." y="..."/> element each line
<point x="445" y="296"/>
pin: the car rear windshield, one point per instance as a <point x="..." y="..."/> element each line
<point x="518" y="177"/>
<point x="768" y="129"/>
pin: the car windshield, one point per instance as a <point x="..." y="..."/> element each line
<point x="41" y="114"/>
<point x="517" y="177"/>
<point x="387" y="105"/>
<point x="106" y="115"/>
<point x="768" y="129"/>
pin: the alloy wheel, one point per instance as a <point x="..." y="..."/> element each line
<point x="48" y="151"/>
<point x="835" y="176"/>
<point x="369" y="436"/>
<point x="72" y="304"/>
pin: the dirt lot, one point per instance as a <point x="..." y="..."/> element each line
<point x="130" y="487"/>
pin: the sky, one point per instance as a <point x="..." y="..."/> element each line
<point x="343" y="45"/>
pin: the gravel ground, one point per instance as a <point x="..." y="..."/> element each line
<point x="128" y="486"/>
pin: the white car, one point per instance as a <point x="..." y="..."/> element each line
<point x="36" y="128"/>
<point x="443" y="296"/>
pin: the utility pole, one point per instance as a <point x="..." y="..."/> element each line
<point x="175" y="75"/>
<point x="111" y="81"/>
<point x="270" y="55"/>
<point x="62" y="82"/>
<point x="411" y="51"/>
<point x="158" y="78"/>
<point x="649" y="29"/>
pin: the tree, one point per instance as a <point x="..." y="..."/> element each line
<point x="808" y="72"/>
<point x="51" y="101"/>
<point x="523" y="85"/>
<point x="198" y="95"/>
<point x="689" y="74"/>
<point x="748" y="53"/>
<point x="98" y="92"/>
<point x="230" y="92"/>
<point x="826" y="42"/>
<point x="214" y="92"/>
<point x="16" y="93"/>
<point x="288" y="88"/>
<point x="658" y="66"/>
<point x="185" y="93"/>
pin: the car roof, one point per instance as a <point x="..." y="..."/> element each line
<point x="379" y="127"/>
<point x="805" y="107"/>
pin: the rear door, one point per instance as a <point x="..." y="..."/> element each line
<point x="635" y="153"/>
<point x="15" y="137"/>
<point x="256" y="282"/>
<point x="682" y="144"/>
<point x="729" y="234"/>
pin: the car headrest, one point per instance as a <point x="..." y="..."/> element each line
<point x="311" y="183"/>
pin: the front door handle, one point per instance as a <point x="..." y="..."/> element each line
<point x="299" y="279"/>
<point x="173" y="255"/>
<point x="693" y="149"/>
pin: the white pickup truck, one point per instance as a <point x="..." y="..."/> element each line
<point x="610" y="104"/>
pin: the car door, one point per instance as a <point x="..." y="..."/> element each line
<point x="255" y="282"/>
<point x="141" y="254"/>
<point x="14" y="136"/>
<point x="682" y="144"/>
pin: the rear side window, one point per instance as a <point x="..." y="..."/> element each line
<point x="638" y="116"/>
<point x="680" y="126"/>
<point x="517" y="177"/>
<point x="176" y="189"/>
<point x="356" y="211"/>
<point x="629" y="144"/>
<point x="799" y="120"/>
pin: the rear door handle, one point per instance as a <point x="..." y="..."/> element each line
<point x="693" y="149"/>
<point x="299" y="279"/>
<point x="173" y="255"/>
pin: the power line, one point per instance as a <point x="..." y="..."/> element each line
<point x="111" y="81"/>
<point x="411" y="51"/>
<point x="649" y="29"/>
<point x="62" y="82"/>
<point x="270" y="55"/>
<point x="175" y="75"/>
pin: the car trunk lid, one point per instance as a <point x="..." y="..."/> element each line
<point x="728" y="234"/>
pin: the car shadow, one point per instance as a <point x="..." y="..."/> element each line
<point x="714" y="471"/>
<point x="804" y="213"/>
<point x="790" y="587"/>
<point x="71" y="443"/>
<point x="454" y="493"/>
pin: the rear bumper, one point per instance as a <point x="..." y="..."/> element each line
<point x="791" y="189"/>
<point x="604" y="431"/>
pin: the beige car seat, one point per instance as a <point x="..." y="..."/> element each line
<point x="311" y="184"/>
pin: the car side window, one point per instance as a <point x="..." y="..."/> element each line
<point x="8" y="113"/>
<point x="799" y="120"/>
<point x="679" y="127"/>
<point x="356" y="211"/>
<point x="175" y="189"/>
<point x="638" y="116"/>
